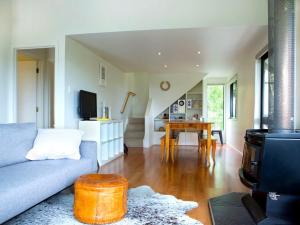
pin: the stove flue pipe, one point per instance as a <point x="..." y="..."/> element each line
<point x="282" y="68"/>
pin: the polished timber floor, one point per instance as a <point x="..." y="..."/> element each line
<point x="188" y="178"/>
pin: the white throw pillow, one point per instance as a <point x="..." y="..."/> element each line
<point x="56" y="144"/>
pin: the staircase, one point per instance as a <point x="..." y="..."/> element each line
<point x="134" y="134"/>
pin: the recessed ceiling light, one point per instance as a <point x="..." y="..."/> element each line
<point x="166" y="66"/>
<point x="197" y="65"/>
<point x="159" y="53"/>
<point x="198" y="52"/>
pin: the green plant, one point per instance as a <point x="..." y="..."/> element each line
<point x="215" y="105"/>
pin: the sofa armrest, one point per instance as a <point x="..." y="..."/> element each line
<point x="88" y="150"/>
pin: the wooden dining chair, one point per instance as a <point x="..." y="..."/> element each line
<point x="163" y="153"/>
<point x="202" y="145"/>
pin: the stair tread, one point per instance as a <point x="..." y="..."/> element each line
<point x="135" y="133"/>
<point x="134" y="139"/>
<point x="135" y="130"/>
<point x="136" y="124"/>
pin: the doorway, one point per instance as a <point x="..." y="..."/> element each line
<point x="215" y="105"/>
<point x="35" y="86"/>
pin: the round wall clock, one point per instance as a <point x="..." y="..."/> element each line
<point x="165" y="85"/>
<point x="181" y="102"/>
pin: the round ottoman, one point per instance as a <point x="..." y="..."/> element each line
<point x="100" y="198"/>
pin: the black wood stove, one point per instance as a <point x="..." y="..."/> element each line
<point x="271" y="168"/>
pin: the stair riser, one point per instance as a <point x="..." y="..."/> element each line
<point x="134" y="146"/>
<point x="138" y="134"/>
<point x="136" y="120"/>
<point x="134" y="143"/>
<point x="135" y="127"/>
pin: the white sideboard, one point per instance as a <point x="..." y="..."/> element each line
<point x="109" y="136"/>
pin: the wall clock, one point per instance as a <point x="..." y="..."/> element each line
<point x="165" y="85"/>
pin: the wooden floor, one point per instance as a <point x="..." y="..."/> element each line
<point x="187" y="178"/>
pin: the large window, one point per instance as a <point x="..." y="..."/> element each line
<point x="215" y="105"/>
<point x="233" y="100"/>
<point x="264" y="113"/>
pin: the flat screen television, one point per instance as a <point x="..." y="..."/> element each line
<point x="87" y="105"/>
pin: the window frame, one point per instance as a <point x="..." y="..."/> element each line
<point x="232" y="94"/>
<point x="263" y="120"/>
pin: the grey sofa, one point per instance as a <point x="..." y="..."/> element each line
<point x="24" y="183"/>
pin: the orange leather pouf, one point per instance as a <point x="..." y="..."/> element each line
<point x="100" y="198"/>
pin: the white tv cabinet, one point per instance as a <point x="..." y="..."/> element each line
<point x="109" y="136"/>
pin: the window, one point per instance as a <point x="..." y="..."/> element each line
<point x="215" y="105"/>
<point x="264" y="109"/>
<point x="233" y="100"/>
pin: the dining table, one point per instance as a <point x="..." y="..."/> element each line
<point x="188" y="125"/>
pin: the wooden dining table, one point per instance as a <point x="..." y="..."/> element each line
<point x="191" y="125"/>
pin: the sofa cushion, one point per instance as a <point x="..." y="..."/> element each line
<point x="15" y="141"/>
<point x="26" y="184"/>
<point x="56" y="144"/>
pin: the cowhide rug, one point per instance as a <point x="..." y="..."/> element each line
<point x="145" y="207"/>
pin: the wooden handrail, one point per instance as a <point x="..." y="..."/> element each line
<point x="126" y="100"/>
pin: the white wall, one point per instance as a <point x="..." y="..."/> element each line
<point x="160" y="100"/>
<point x="5" y="57"/>
<point x="82" y="72"/>
<point x="54" y="19"/>
<point x="48" y="87"/>
<point x="80" y="16"/>
<point x="180" y="83"/>
<point x="246" y="90"/>
<point x="49" y="99"/>
<point x="139" y="84"/>
<point x="245" y="72"/>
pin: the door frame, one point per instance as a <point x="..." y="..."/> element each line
<point x="14" y="95"/>
<point x="214" y="81"/>
<point x="223" y="101"/>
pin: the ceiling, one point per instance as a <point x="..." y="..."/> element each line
<point x="138" y="51"/>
